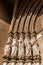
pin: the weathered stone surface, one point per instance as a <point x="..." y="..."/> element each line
<point x="14" y="46"/>
<point x="30" y="19"/>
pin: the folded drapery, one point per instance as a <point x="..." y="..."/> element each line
<point x="22" y="48"/>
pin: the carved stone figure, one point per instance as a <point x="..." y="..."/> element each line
<point x="27" y="47"/>
<point x="21" y="47"/>
<point x="35" y="48"/>
<point x="7" y="51"/>
<point x="7" y="48"/>
<point x="25" y="14"/>
<point x="9" y="40"/>
<point x="36" y="51"/>
<point x="14" y="48"/>
<point x="20" y="63"/>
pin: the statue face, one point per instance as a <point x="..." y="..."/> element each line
<point x="27" y="40"/>
<point x="21" y="39"/>
<point x="32" y="39"/>
<point x="9" y="39"/>
<point x="14" y="41"/>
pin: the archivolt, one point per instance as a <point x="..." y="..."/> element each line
<point x="34" y="14"/>
<point x="26" y="21"/>
<point x="36" y="18"/>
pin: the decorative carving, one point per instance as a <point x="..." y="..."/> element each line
<point x="14" y="48"/>
<point x="33" y="39"/>
<point x="7" y="51"/>
<point x="36" y="51"/>
<point x="28" y="47"/>
<point x="20" y="62"/>
<point x="9" y="40"/>
<point x="21" y="47"/>
<point x="5" y="62"/>
<point x="13" y="62"/>
<point x="29" y="62"/>
<point x="37" y="62"/>
<point x="25" y="48"/>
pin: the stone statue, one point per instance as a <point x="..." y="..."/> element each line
<point x="28" y="55"/>
<point x="7" y="48"/>
<point x="21" y="47"/>
<point x="36" y="51"/>
<point x="27" y="47"/>
<point x="14" y="48"/>
<point x="7" y="51"/>
<point x="35" y="48"/>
